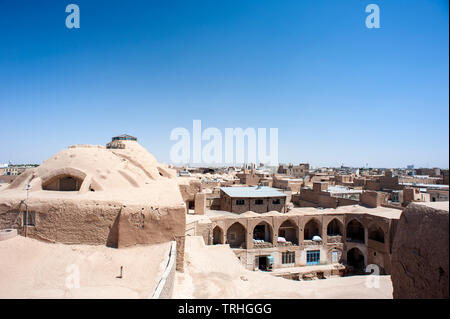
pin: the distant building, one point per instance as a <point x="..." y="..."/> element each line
<point x="283" y="169"/>
<point x="300" y="170"/>
<point x="445" y="176"/>
<point x="344" y="179"/>
<point x="322" y="195"/>
<point x="15" y="170"/>
<point x="414" y="195"/>
<point x="297" y="171"/>
<point x="384" y="182"/>
<point x="438" y="195"/>
<point x="433" y="172"/>
<point x="287" y="183"/>
<point x="254" y="176"/>
<point x="184" y="173"/>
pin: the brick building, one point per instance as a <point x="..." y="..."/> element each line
<point x="259" y="199"/>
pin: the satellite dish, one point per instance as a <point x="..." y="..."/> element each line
<point x="317" y="238"/>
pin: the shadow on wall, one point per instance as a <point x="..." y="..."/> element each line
<point x="113" y="236"/>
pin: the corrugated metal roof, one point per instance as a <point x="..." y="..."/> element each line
<point x="252" y="191"/>
<point x="338" y="189"/>
<point x="438" y="186"/>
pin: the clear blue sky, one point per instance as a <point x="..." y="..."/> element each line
<point x="337" y="91"/>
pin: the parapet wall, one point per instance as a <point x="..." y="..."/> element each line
<point x="164" y="289"/>
<point x="64" y="221"/>
<point x="94" y="222"/>
<point x="420" y="261"/>
<point x="311" y="198"/>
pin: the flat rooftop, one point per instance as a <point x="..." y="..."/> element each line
<point x="252" y="191"/>
<point x="337" y="189"/>
<point x="215" y="272"/>
<point x="33" y="269"/>
<point x="386" y="212"/>
<point x="435" y="205"/>
<point x="290" y="179"/>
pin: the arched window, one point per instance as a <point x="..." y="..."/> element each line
<point x="312" y="228"/>
<point x="355" y="259"/>
<point x="288" y="230"/>
<point x="355" y="232"/>
<point x="63" y="183"/>
<point x="236" y="236"/>
<point x="217" y="235"/>
<point x="334" y="228"/>
<point x="263" y="231"/>
<point x="376" y="233"/>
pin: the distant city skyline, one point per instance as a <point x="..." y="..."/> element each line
<point x="338" y="92"/>
<point x="312" y="166"/>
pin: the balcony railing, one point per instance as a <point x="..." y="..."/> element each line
<point x="355" y="240"/>
<point x="241" y="246"/>
<point x="312" y="242"/>
<point x="334" y="239"/>
<point x="261" y="244"/>
<point x="286" y="244"/>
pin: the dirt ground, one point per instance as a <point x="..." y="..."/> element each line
<point x="215" y="272"/>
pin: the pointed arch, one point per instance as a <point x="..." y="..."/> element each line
<point x="289" y="230"/>
<point x="376" y="233"/>
<point x="312" y="228"/>
<point x="355" y="231"/>
<point x="335" y="227"/>
<point x="263" y="231"/>
<point x="217" y="235"/>
<point x="237" y="235"/>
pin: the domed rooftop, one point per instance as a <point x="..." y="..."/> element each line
<point x="124" y="170"/>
